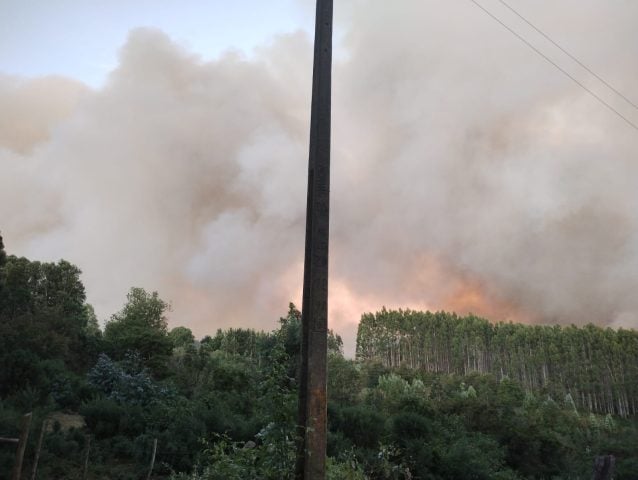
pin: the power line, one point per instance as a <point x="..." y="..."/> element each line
<point x="549" y="60"/>
<point x="620" y="94"/>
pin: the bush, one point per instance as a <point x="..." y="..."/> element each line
<point x="102" y="417"/>
<point x="362" y="425"/>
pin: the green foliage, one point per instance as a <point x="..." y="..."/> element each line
<point x="127" y="382"/>
<point x="430" y="395"/>
<point x="410" y="425"/>
<point x="290" y="334"/>
<point x="270" y="453"/>
<point x="92" y="328"/>
<point x="103" y="416"/>
<point x="345" y="467"/>
<point x="181" y="337"/>
<point x="229" y="460"/>
<point x="141" y="327"/>
<point x="362" y="425"/>
<point x="594" y="367"/>
<point x="345" y="379"/>
<point x="43" y="319"/>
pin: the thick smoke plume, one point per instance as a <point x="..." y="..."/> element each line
<point x="468" y="174"/>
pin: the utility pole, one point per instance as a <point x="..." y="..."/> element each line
<point x="311" y="455"/>
<point x="22" y="445"/>
<point x="87" y="452"/>
<point x="604" y="467"/>
<point x="150" y="469"/>
<point x="43" y="430"/>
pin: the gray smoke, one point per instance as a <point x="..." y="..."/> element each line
<point x="468" y="174"/>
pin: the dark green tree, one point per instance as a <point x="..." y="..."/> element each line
<point x="181" y="337"/>
<point x="43" y="317"/>
<point x="141" y="327"/>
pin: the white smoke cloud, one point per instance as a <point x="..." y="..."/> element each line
<point x="467" y="173"/>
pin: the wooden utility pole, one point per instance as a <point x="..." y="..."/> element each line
<point x="604" y="467"/>
<point x="150" y="470"/>
<point x="36" y="460"/>
<point x="22" y="445"/>
<point x="311" y="455"/>
<point x="87" y="452"/>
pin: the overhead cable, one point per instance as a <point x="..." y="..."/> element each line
<point x="549" y="60"/>
<point x="548" y="38"/>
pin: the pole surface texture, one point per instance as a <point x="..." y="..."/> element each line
<point x="87" y="452"/>
<point x="22" y="445"/>
<point x="34" y="469"/>
<point x="150" y="470"/>
<point x="311" y="458"/>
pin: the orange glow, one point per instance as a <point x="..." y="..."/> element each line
<point x="429" y="284"/>
<point x="471" y="297"/>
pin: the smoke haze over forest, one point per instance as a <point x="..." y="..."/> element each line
<point x="468" y="174"/>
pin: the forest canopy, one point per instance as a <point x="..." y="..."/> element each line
<point x="597" y="367"/>
<point x="429" y="395"/>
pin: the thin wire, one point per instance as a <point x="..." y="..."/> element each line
<point x="569" y="55"/>
<point x="522" y="39"/>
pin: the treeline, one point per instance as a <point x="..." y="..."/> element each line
<point x="594" y="367"/>
<point x="224" y="407"/>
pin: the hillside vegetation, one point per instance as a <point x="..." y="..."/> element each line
<point x="596" y="367"/>
<point x="429" y="396"/>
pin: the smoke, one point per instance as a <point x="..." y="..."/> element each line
<point x="484" y="157"/>
<point x="468" y="174"/>
<point x="32" y="108"/>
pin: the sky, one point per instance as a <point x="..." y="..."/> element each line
<point x="80" y="38"/>
<point x="164" y="145"/>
